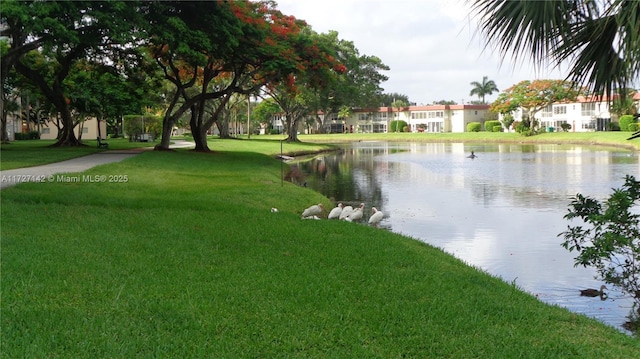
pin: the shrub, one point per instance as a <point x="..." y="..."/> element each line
<point x="613" y="126"/>
<point x="31" y="135"/>
<point x="398" y="125"/>
<point x="137" y="124"/>
<point x="565" y="127"/>
<point x="474" y="127"/>
<point x="497" y="128"/>
<point x="625" y="121"/>
<point x="633" y="127"/>
<point x="507" y="121"/>
<point x="489" y="126"/>
<point x="607" y="236"/>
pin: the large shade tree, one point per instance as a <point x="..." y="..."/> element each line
<point x="222" y="48"/>
<point x="49" y="38"/>
<point x="599" y="40"/>
<point x="190" y="42"/>
<point x="358" y="87"/>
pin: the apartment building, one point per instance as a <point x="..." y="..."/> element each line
<point x="423" y="118"/>
<point x="584" y="115"/>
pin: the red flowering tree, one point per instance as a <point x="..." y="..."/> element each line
<point x="211" y="50"/>
<point x="533" y="96"/>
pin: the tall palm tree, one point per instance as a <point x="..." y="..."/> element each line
<point x="481" y="89"/>
<point x="599" y="40"/>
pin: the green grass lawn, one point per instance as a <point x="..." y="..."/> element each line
<point x="19" y="154"/>
<point x="185" y="259"/>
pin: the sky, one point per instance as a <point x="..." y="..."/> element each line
<point x="431" y="46"/>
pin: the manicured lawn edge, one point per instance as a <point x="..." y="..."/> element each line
<point x="186" y="259"/>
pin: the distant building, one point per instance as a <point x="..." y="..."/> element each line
<point x="424" y="118"/>
<point x="429" y="118"/>
<point x="88" y="128"/>
<point x="586" y="114"/>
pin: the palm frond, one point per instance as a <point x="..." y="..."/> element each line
<point x="599" y="39"/>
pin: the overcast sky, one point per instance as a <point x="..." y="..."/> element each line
<point x="430" y="45"/>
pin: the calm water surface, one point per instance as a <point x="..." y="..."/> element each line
<point x="501" y="211"/>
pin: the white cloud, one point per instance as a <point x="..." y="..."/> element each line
<point x="429" y="45"/>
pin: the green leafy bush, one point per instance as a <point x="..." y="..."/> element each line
<point x="497" y="128"/>
<point x="507" y="121"/>
<point x="633" y="127"/>
<point x="625" y="121"/>
<point x="565" y="127"/>
<point x="474" y="127"/>
<point x="137" y="124"/>
<point x="489" y="126"/>
<point x="613" y="126"/>
<point x="398" y="125"/>
<point x="31" y="135"/>
<point x="607" y="236"/>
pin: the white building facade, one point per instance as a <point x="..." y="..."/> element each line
<point x="430" y="119"/>
<point x="586" y="114"/>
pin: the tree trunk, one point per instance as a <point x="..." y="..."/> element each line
<point x="200" y="138"/>
<point x="165" y="140"/>
<point x="223" y="128"/>
<point x="292" y="132"/>
<point x="4" y="136"/>
<point x="67" y="138"/>
<point x="198" y="131"/>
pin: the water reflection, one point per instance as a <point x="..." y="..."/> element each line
<point x="501" y="211"/>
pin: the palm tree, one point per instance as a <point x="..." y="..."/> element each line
<point x="481" y="89"/>
<point x="597" y="39"/>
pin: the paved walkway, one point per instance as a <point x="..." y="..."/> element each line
<point x="45" y="173"/>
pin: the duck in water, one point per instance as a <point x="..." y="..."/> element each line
<point x="472" y="155"/>
<point x="593" y="292"/>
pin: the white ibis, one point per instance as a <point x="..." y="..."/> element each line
<point x="314" y="210"/>
<point x="335" y="213"/>
<point x="376" y="216"/>
<point x="346" y="211"/>
<point x="357" y="214"/>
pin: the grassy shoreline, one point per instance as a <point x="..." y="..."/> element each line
<point x="20" y="154"/>
<point x="186" y="259"/>
<point x="615" y="139"/>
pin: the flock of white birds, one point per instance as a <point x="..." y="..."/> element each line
<point x="346" y="213"/>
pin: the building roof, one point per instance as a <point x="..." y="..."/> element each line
<point x="426" y="108"/>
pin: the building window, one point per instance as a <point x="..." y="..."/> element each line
<point x="85" y="130"/>
<point x="588" y="109"/>
<point x="418" y="115"/>
<point x="364" y="117"/>
<point x="382" y="116"/>
<point x="546" y="111"/>
<point x="379" y="127"/>
<point x="45" y="130"/>
<point x="559" y="110"/>
<point x="336" y="128"/>
<point x="435" y="114"/>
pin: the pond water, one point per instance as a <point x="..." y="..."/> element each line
<point x="501" y="212"/>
